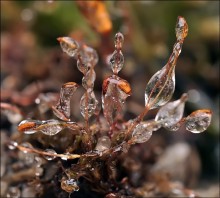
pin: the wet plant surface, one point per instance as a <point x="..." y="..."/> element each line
<point x="71" y="129"/>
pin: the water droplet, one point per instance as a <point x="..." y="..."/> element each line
<point x="117" y="61"/>
<point x="103" y="143"/>
<point x="160" y="88"/>
<point x="88" y="104"/>
<point x="51" y="127"/>
<point x="172" y="112"/>
<point x="69" y="185"/>
<point x="143" y="131"/>
<point x="181" y="28"/>
<point x="50" y="157"/>
<point x="68" y="45"/>
<point x="13" y="192"/>
<point x="89" y="79"/>
<point x="12" y="145"/>
<point x="198" y="121"/>
<point x="119" y="40"/>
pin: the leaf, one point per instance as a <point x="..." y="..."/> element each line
<point x="117" y="58"/>
<point x="143" y="131"/>
<point x="88" y="104"/>
<point x="198" y="121"/>
<point x="115" y="90"/>
<point x="48" y="127"/>
<point x="62" y="108"/>
<point x="161" y="86"/>
<point x="172" y="112"/>
<point x="69" y="45"/>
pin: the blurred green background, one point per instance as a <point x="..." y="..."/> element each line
<point x="30" y="52"/>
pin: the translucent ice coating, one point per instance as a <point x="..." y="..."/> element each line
<point x="181" y="28"/>
<point x="88" y="104"/>
<point x="198" y="121"/>
<point x="68" y="45"/>
<point x="117" y="58"/>
<point x="115" y="90"/>
<point x="62" y="109"/>
<point x="172" y="112"/>
<point x="89" y="79"/>
<point x="51" y="127"/>
<point x="29" y="126"/>
<point x="161" y="86"/>
<point x="86" y="61"/>
<point x="143" y="131"/>
<point x="175" y="126"/>
<point x="117" y="61"/>
<point x="88" y="56"/>
<point x="48" y="127"/>
<point x="119" y="40"/>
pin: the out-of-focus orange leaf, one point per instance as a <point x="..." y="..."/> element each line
<point x="97" y="15"/>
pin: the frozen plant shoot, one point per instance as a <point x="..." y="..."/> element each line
<point x="90" y="158"/>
